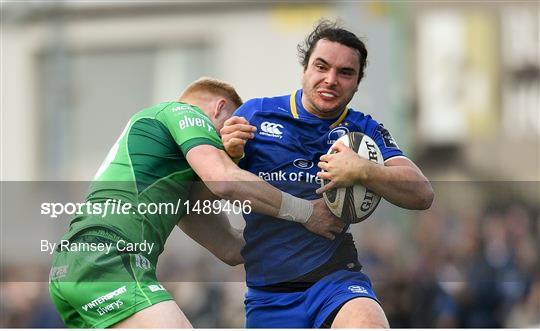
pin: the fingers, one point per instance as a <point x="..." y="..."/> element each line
<point x="328" y="235"/>
<point x="336" y="227"/>
<point x="235" y="147"/>
<point x="235" y="142"/>
<point x="323" y="222"/>
<point x="325" y="188"/>
<point x="339" y="225"/>
<point x="323" y="228"/>
<point x="238" y="127"/>
<point x="326" y="157"/>
<point x="235" y="120"/>
<point x="323" y="165"/>
<point x="339" y="147"/>
<point x="237" y="134"/>
<point x="234" y="137"/>
<point x="325" y="175"/>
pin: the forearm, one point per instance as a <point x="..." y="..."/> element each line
<point x="227" y="181"/>
<point x="215" y="233"/>
<point x="402" y="185"/>
<point x="244" y="186"/>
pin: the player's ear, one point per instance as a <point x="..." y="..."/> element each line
<point x="220" y="106"/>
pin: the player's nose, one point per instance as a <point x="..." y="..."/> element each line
<point x="331" y="77"/>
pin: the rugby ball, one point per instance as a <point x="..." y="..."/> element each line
<point x="355" y="203"/>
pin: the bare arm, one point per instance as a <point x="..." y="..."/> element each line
<point x="223" y="177"/>
<point x="399" y="180"/>
<point x="213" y="231"/>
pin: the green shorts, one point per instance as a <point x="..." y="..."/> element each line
<point x="96" y="288"/>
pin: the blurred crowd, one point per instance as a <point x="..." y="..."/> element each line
<point x="457" y="271"/>
<point x="438" y="269"/>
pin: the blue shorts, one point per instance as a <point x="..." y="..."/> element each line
<point x="308" y="309"/>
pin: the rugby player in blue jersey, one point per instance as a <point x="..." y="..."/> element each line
<point x="296" y="278"/>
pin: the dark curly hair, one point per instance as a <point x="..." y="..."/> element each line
<point x="331" y="31"/>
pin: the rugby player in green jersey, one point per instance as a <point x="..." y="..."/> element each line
<point x="159" y="156"/>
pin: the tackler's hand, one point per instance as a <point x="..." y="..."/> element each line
<point x="323" y="222"/>
<point x="342" y="168"/>
<point x="235" y="133"/>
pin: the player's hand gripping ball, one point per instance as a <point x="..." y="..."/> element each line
<point x="355" y="203"/>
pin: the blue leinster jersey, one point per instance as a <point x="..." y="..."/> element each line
<point x="285" y="151"/>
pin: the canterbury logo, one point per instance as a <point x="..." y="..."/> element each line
<point x="272" y="128"/>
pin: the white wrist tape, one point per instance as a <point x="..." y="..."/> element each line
<point x="295" y="209"/>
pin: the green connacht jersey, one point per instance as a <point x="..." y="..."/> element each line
<point x="147" y="172"/>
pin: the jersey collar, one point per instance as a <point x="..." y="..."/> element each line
<point x="294" y="111"/>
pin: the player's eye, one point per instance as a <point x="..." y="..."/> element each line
<point x="347" y="73"/>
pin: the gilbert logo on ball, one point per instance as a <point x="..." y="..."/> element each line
<point x="355" y="203"/>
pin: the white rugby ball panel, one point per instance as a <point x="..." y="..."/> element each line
<point x="354" y="204"/>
